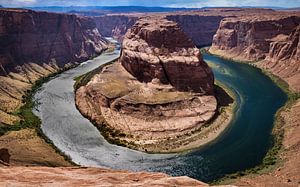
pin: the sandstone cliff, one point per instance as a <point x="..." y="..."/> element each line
<point x="284" y="58"/>
<point x="249" y="38"/>
<point x="157" y="48"/>
<point x="36" y="44"/>
<point x="159" y="92"/>
<point x="272" y="39"/>
<point x="115" y="25"/>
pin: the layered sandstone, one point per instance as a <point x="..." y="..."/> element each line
<point x="271" y="39"/>
<point x="115" y="25"/>
<point x="36" y="44"/>
<point x="157" y="48"/>
<point x="45" y="176"/>
<point x="284" y="58"/>
<point x="159" y="91"/>
<point x="248" y="38"/>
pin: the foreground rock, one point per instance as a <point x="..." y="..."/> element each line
<point x="36" y="44"/>
<point x="45" y="176"/>
<point x="157" y="95"/>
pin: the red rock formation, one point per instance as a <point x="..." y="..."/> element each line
<point x="158" y="93"/>
<point x="272" y="39"/>
<point x="248" y="38"/>
<point x="39" y="37"/>
<point x="46" y="176"/>
<point x="157" y="48"/>
<point x="284" y="58"/>
<point x="36" y="44"/>
<point x="200" y="28"/>
<point x="115" y="25"/>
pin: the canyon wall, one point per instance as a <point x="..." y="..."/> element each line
<point x="115" y="25"/>
<point x="200" y="28"/>
<point x="271" y="39"/>
<point x="36" y="44"/>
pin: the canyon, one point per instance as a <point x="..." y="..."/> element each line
<point x="159" y="91"/>
<point x="38" y="44"/>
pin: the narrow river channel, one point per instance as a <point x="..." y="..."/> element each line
<point x="241" y="146"/>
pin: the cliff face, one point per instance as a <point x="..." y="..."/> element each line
<point x="158" y="93"/>
<point x="271" y="39"/>
<point x="249" y="38"/>
<point x="200" y="28"/>
<point x="36" y="44"/>
<point x="115" y="25"/>
<point x="157" y="48"/>
<point x="284" y="58"/>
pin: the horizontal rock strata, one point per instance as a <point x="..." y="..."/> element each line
<point x="160" y="89"/>
<point x="36" y="44"/>
<point x="272" y="39"/>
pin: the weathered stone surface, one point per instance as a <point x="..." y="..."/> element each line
<point x="46" y="176"/>
<point x="249" y="38"/>
<point x="36" y="44"/>
<point x="156" y="48"/>
<point x="284" y="58"/>
<point x="160" y="89"/>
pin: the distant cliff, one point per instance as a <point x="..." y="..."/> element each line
<point x="200" y="28"/>
<point x="272" y="39"/>
<point x="36" y="44"/>
<point x="115" y="25"/>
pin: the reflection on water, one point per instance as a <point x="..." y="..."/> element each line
<point x="243" y="145"/>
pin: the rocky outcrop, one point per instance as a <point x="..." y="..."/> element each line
<point x="249" y="38"/>
<point x="157" y="95"/>
<point x="200" y="28"/>
<point x="284" y="58"/>
<point x="46" y="176"/>
<point x="272" y="39"/>
<point x="36" y="44"/>
<point x="157" y="48"/>
<point x="115" y="25"/>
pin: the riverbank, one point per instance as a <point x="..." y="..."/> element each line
<point x="192" y="139"/>
<point x="25" y="140"/>
<point x="278" y="155"/>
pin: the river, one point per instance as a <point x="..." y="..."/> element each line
<point x="242" y="145"/>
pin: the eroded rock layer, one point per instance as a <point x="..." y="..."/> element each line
<point x="46" y="176"/>
<point x="36" y="44"/>
<point x="160" y="89"/>
<point x="157" y="48"/>
<point x="272" y="39"/>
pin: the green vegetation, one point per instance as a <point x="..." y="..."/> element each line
<point x="28" y="119"/>
<point x="272" y="159"/>
<point x="85" y="78"/>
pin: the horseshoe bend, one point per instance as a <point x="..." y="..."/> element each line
<point x="149" y="96"/>
<point x="158" y="95"/>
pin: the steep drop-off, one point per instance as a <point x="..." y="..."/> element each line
<point x="271" y="39"/>
<point x="115" y="25"/>
<point x="36" y="44"/>
<point x="157" y="94"/>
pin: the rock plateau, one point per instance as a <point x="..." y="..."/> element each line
<point x="159" y="90"/>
